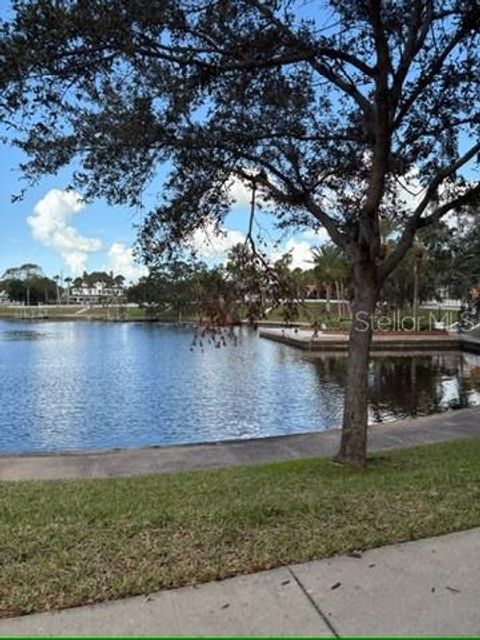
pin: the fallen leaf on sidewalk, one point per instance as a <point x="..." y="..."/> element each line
<point x="336" y="585"/>
<point x="452" y="589"/>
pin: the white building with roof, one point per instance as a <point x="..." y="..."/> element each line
<point x="99" y="293"/>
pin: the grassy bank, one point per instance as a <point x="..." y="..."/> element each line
<point x="311" y="312"/>
<point x="70" y="543"/>
<point x="82" y="313"/>
<point x="308" y="313"/>
<point x="61" y="312"/>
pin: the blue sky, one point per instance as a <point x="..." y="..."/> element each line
<point x="47" y="227"/>
<point x="107" y="231"/>
<point x="107" y="224"/>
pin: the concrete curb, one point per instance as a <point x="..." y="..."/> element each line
<point x="108" y="463"/>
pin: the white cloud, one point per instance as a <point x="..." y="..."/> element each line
<point x="409" y="190"/>
<point x="122" y="261"/>
<point x="317" y="236"/>
<point x="50" y="225"/>
<point x="300" y="250"/>
<point x="212" y="245"/>
<point x="240" y="192"/>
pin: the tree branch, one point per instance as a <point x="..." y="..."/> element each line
<point x="441" y="176"/>
<point x="416" y="37"/>
<point x="465" y="199"/>
<point x="330" y="52"/>
<point x="416" y="221"/>
<point x="428" y="76"/>
<point x="408" y="235"/>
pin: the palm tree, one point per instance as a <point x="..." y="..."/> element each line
<point x="331" y="270"/>
<point x="68" y="282"/>
<point x="57" y="282"/>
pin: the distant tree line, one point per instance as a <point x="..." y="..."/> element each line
<point x="28" y="284"/>
<point x="443" y="258"/>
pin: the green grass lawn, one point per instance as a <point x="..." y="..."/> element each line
<point x="310" y="312"/>
<point x="72" y="313"/>
<point x="54" y="311"/>
<point x="63" y="312"/>
<point x="75" y="542"/>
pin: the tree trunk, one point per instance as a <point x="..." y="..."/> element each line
<point x="415" y="292"/>
<point x="338" y="293"/>
<point x="328" y="287"/>
<point x="353" y="445"/>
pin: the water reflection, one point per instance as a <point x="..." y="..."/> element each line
<point x="403" y="385"/>
<point x="116" y="385"/>
<point x="22" y="335"/>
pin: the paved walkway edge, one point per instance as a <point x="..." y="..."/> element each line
<point x="428" y="587"/>
<point x="381" y="342"/>
<point x="443" y="427"/>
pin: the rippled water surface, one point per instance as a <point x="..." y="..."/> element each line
<point x="88" y="385"/>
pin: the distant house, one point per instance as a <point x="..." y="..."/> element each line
<point x="4" y="298"/>
<point x="99" y="293"/>
<point x="314" y="290"/>
<point x="443" y="300"/>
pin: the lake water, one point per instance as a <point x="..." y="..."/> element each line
<point x="69" y="385"/>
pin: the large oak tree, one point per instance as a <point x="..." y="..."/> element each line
<point x="332" y="111"/>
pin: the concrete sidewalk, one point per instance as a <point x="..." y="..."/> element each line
<point x="128" y="462"/>
<point x="424" y="588"/>
<point x="303" y="338"/>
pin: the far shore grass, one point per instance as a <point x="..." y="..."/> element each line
<point x="70" y="312"/>
<point x="76" y="542"/>
<point x="309" y="313"/>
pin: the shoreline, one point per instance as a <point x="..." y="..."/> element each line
<point x="120" y="462"/>
<point x="394" y="341"/>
